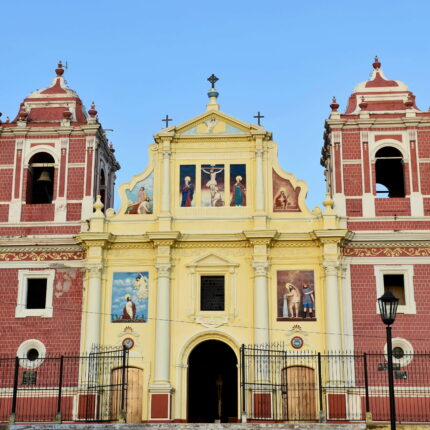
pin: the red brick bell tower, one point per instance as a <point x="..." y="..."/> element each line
<point x="55" y="159"/>
<point x="377" y="165"/>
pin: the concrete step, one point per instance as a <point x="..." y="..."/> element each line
<point x="191" y="426"/>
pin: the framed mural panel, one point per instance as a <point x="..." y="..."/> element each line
<point x="187" y="181"/>
<point x="285" y="196"/>
<point x="238" y="185"/>
<point x="296" y="295"/>
<point x="130" y="293"/>
<point x="140" y="198"/>
<point x="212" y="185"/>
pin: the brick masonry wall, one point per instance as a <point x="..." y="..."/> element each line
<point x="6" y="180"/>
<point x="425" y="177"/>
<point x="423" y="141"/>
<point x="61" y="333"/>
<point x="75" y="183"/>
<point x="369" y="330"/>
<point x="426" y="206"/>
<point x="37" y="212"/>
<point x="392" y="206"/>
<point x="74" y="211"/>
<point x="77" y="150"/>
<point x="354" y="207"/>
<point x="7" y="153"/>
<point x="4" y="213"/>
<point x="351" y="146"/>
<point x="352" y="179"/>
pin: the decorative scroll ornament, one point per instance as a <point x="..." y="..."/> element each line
<point x="212" y="321"/>
<point x="386" y="252"/>
<point x="41" y="256"/>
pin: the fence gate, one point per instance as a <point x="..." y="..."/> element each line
<point x="92" y="387"/>
<point x="278" y="384"/>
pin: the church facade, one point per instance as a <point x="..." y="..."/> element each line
<point x="213" y="246"/>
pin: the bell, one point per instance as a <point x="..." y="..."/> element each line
<point x="44" y="177"/>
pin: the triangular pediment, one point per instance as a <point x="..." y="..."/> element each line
<point x="211" y="259"/>
<point x="213" y="123"/>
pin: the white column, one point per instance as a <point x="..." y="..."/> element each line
<point x="92" y="330"/>
<point x="259" y="186"/>
<point x="165" y="193"/>
<point x="162" y="325"/>
<point x="333" y="326"/>
<point x="261" y="303"/>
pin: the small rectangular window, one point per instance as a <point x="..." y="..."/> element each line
<point x="36" y="293"/>
<point x="212" y="293"/>
<point x="396" y="285"/>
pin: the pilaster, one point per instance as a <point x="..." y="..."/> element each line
<point x="165" y="217"/>
<point x="161" y="389"/>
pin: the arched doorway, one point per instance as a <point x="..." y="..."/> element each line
<point x="212" y="383"/>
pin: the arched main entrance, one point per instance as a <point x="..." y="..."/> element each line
<point x="212" y="383"/>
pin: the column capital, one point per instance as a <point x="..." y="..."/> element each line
<point x="260" y="267"/>
<point x="331" y="268"/>
<point x="163" y="269"/>
<point x="166" y="154"/>
<point x="94" y="269"/>
<point x="259" y="152"/>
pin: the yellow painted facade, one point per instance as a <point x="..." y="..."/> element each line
<point x="175" y="245"/>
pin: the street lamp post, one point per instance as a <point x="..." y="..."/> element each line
<point x="388" y="309"/>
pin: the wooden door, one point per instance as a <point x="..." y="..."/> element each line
<point x="298" y="394"/>
<point x="134" y="394"/>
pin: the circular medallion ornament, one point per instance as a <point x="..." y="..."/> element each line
<point x="128" y="343"/>
<point x="296" y="342"/>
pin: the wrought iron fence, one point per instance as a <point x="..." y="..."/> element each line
<point x="282" y="385"/>
<point x="92" y="387"/>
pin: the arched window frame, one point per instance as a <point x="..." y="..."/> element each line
<point x="40" y="149"/>
<point x="388" y="143"/>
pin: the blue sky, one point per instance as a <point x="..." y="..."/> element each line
<point x="139" y="60"/>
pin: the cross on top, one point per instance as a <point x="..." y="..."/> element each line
<point x="212" y="79"/>
<point x="167" y="120"/>
<point x="258" y="116"/>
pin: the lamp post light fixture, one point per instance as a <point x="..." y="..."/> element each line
<point x="388" y="308"/>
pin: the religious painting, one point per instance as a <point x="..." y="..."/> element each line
<point x="212" y="188"/>
<point x="238" y="185"/>
<point x="187" y="181"/>
<point x="296" y="295"/>
<point x="285" y="196"/>
<point x="130" y="291"/>
<point x="140" y="198"/>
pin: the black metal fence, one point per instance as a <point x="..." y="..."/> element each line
<point x="81" y="388"/>
<point x="282" y="385"/>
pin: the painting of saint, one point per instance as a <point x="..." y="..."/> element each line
<point x="212" y="191"/>
<point x="285" y="196"/>
<point x="187" y="180"/>
<point x="140" y="197"/>
<point x="296" y="295"/>
<point x="130" y="293"/>
<point x="238" y="185"/>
